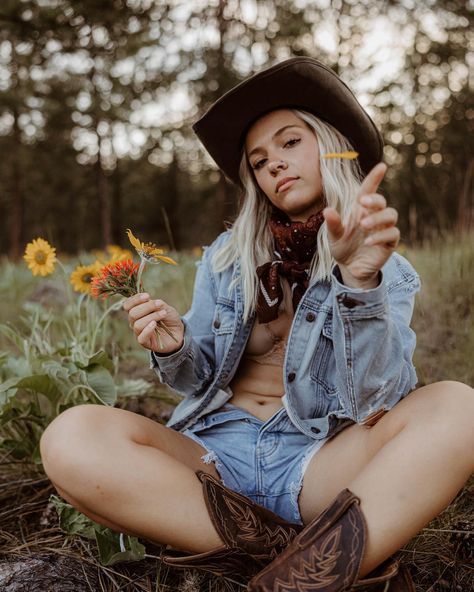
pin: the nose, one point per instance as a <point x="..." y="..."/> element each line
<point x="276" y="165"/>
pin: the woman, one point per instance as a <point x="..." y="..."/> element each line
<point x="316" y="455"/>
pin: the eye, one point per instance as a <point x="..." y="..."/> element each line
<point x="291" y="142"/>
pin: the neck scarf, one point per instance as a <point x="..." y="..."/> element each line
<point x="295" y="244"/>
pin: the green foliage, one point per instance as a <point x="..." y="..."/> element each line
<point x="444" y="310"/>
<point x="51" y="370"/>
<point x="113" y="547"/>
<point x="63" y="349"/>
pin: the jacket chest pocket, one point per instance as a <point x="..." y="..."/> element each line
<point x="222" y="325"/>
<point x="224" y="316"/>
<point x="322" y="372"/>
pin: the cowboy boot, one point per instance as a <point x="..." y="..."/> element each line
<point x="253" y="536"/>
<point x="390" y="576"/>
<point x="326" y="557"/>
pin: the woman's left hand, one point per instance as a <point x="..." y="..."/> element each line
<point x="370" y="236"/>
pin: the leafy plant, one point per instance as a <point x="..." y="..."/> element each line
<point x="113" y="547"/>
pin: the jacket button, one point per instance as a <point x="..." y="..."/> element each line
<point x="315" y="430"/>
<point x="310" y="317"/>
<point x="217" y="323"/>
<point x="291" y="376"/>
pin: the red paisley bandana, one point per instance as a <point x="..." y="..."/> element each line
<point x="295" y="244"/>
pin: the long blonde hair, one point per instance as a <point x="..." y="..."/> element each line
<point x="251" y="239"/>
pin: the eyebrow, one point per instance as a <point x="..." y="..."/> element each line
<point x="277" y="133"/>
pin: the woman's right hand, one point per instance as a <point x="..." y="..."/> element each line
<point x="143" y="315"/>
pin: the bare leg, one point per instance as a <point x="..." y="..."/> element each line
<point x="405" y="470"/>
<point x="132" y="474"/>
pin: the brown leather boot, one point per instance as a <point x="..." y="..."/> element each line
<point x="253" y="536"/>
<point x="326" y="557"/>
<point x="387" y="577"/>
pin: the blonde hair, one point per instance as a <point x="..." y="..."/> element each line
<point x="251" y="239"/>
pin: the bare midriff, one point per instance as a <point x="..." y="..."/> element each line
<point x="258" y="383"/>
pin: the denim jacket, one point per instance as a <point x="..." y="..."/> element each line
<point x="348" y="357"/>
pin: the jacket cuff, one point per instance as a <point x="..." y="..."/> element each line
<point x="357" y="303"/>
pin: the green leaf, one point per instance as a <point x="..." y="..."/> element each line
<point x="71" y="520"/>
<point x="8" y="384"/>
<point x="100" y="358"/>
<point x="110" y="550"/>
<point x="101" y="381"/>
<point x="41" y="383"/>
<point x="56" y="370"/>
<point x="5" y="398"/>
<point x="17" y="366"/>
<point x="12" y="335"/>
<point x="133" y="387"/>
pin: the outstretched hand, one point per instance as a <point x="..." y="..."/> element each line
<point x="366" y="241"/>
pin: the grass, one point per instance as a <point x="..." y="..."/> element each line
<point x="440" y="557"/>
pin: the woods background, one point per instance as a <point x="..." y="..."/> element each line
<point x="97" y="98"/>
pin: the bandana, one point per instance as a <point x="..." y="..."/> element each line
<point x="295" y="244"/>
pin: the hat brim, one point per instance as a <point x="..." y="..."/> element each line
<point x="298" y="83"/>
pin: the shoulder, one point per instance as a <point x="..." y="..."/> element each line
<point x="217" y="264"/>
<point x="399" y="273"/>
<point x="217" y="243"/>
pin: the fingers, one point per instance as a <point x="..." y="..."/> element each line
<point x="129" y="303"/>
<point x="389" y="237"/>
<point x="147" y="337"/>
<point x="140" y="316"/>
<point x="373" y="179"/>
<point x="380" y="219"/>
<point x="374" y="201"/>
<point x="334" y="223"/>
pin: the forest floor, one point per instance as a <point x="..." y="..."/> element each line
<point x="38" y="556"/>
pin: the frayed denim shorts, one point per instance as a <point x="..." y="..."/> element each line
<point x="264" y="461"/>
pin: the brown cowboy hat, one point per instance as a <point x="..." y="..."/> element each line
<point x="301" y="83"/>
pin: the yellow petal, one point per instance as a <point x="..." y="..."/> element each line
<point x="167" y="259"/>
<point x="40" y="257"/>
<point x="156" y="251"/>
<point x="135" y="242"/>
<point x="351" y="155"/>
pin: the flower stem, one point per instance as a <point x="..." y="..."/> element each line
<point x="140" y="289"/>
<point x="140" y="273"/>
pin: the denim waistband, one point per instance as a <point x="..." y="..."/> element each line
<point x="279" y="421"/>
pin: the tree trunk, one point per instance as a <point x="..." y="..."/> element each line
<point x="465" y="206"/>
<point x="47" y="573"/>
<point x="16" y="211"/>
<point x="103" y="192"/>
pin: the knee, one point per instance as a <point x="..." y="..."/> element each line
<point x="451" y="405"/>
<point x="62" y="442"/>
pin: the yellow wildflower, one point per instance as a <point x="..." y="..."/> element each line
<point x="149" y="251"/>
<point x="350" y="155"/>
<point x="82" y="276"/>
<point x="116" y="253"/>
<point x="98" y="254"/>
<point x="40" y="257"/>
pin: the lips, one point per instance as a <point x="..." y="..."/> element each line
<point x="281" y="182"/>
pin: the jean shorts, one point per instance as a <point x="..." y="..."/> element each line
<point x="264" y="461"/>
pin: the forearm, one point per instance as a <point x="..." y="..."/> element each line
<point x="373" y="345"/>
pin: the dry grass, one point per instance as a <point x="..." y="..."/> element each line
<point x="440" y="558"/>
